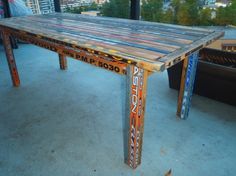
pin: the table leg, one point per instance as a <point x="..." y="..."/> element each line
<point x="134" y="119"/>
<point x="186" y="85"/>
<point x="14" y="43"/>
<point x="63" y="62"/>
<point x="11" y="59"/>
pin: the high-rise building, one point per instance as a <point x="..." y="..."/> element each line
<point x="46" y="6"/>
<point x="41" y="6"/>
<point x="33" y="5"/>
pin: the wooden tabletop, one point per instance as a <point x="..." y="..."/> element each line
<point x="155" y="44"/>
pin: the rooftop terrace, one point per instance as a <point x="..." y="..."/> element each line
<point x="70" y="123"/>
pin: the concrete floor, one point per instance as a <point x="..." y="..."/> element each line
<point x="70" y="123"/>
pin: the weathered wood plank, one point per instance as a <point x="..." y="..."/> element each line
<point x="152" y="46"/>
<point x="89" y="37"/>
<point x="162" y="37"/>
<point x="123" y="57"/>
<point x="63" y="51"/>
<point x="178" y="55"/>
<point x="133" y="23"/>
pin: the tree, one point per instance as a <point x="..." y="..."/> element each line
<point x="77" y="10"/>
<point x="224" y="16"/>
<point x="93" y="6"/>
<point x="233" y="11"/>
<point x="176" y="4"/>
<point x="168" y="16"/>
<point x="151" y="10"/>
<point x="106" y="9"/>
<point x="187" y="13"/>
<point x="184" y="12"/>
<point x="183" y="17"/>
<point x="227" y="15"/>
<point x="116" y="8"/>
<point x="193" y="11"/>
<point x="205" y="17"/>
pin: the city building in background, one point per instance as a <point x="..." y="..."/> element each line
<point x="33" y="5"/>
<point x="214" y="4"/>
<point x="40" y="6"/>
<point x="46" y="6"/>
<point x="74" y="3"/>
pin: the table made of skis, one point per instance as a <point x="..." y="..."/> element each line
<point x="127" y="47"/>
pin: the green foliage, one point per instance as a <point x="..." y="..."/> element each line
<point x="193" y="9"/>
<point x="184" y="12"/>
<point x="227" y="15"/>
<point x="93" y="6"/>
<point x="233" y="11"/>
<point x="183" y="16"/>
<point x="73" y="10"/>
<point x="116" y="8"/>
<point x="176" y="4"/>
<point x="205" y="17"/>
<point x="187" y="13"/>
<point x="152" y="10"/>
<point x="80" y="9"/>
<point x="168" y="16"/>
